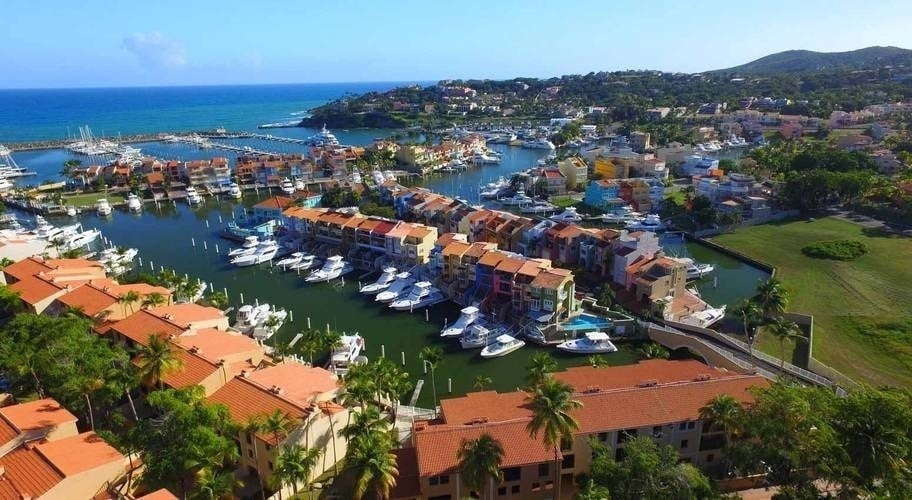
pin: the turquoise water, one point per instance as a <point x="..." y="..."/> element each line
<point x="586" y="322"/>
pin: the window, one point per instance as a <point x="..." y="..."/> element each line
<point x="683" y="444"/>
<point x="566" y="444"/>
<point x="249" y="438"/>
<point x="626" y="435"/>
<point x="691" y="425"/>
<point x="603" y="436"/>
<point x="536" y="486"/>
<point x="619" y="454"/>
<point x="502" y="491"/>
<point x="514" y="489"/>
<point x="657" y="430"/>
<point x="544" y="470"/>
<point x="512" y="474"/>
<point x="442" y="479"/>
<point x="569" y="462"/>
<point x="710" y="458"/>
<point x="682" y="426"/>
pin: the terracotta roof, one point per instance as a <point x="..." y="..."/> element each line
<point x="275" y="202"/>
<point x="26" y="268"/>
<point x="90" y="299"/>
<point x="446" y="238"/>
<point x="384" y="227"/>
<point x="401" y="230"/>
<point x="73" y="263"/>
<point x="491" y="259"/>
<point x="369" y="225"/>
<point x="299" y="383"/>
<point x="491" y="406"/>
<point x="246" y="398"/>
<point x="139" y="326"/>
<point x="35" y="415"/>
<point x="549" y="278"/>
<point x="143" y="289"/>
<point x="510" y="264"/>
<point x="408" y="484"/>
<point x="7" y="433"/>
<point x="161" y="494"/>
<point x="480" y="248"/>
<point x="420" y="231"/>
<point x="215" y="344"/>
<point x="33" y="290"/>
<point x="77" y="454"/>
<point x="532" y="267"/>
<point x="662" y="371"/>
<point x="27" y="474"/>
<point x="194" y="369"/>
<point x="480" y="214"/>
<point x="568" y="231"/>
<point x="187" y="313"/>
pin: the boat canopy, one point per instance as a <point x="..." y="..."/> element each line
<point x="597" y="336"/>
<point x="469" y="310"/>
<point x="505" y="339"/>
<point x="541" y="316"/>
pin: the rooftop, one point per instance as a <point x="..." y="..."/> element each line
<point x="38" y="414"/>
<point x="584" y="378"/>
<point x="187" y="313"/>
<point x="26" y="474"/>
<point x="275" y="203"/>
<point x="90" y="299"/>
<point x="298" y="382"/>
<point x="77" y="454"/>
<point x="194" y="369"/>
<point x="246" y="398"/>
<point x="216" y="344"/>
<point x="140" y="326"/>
<point x="33" y="290"/>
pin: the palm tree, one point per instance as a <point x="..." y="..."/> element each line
<point x="251" y="427"/>
<point x="552" y="401"/>
<point x="772" y="297"/>
<point x="479" y="462"/>
<point x="373" y="465"/>
<point x="329" y="409"/>
<point x="751" y="317"/>
<point x="367" y="422"/>
<point x="654" y="351"/>
<point x="154" y="299"/>
<point x="214" y="485"/>
<point x="156" y="360"/>
<point x="10" y="301"/>
<point x="277" y="423"/>
<point x="723" y="411"/>
<point x="784" y="330"/>
<point x="432" y="356"/>
<point x="541" y="366"/>
<point x="481" y="381"/>
<point x="130" y="298"/>
<point x="309" y="343"/>
<point x="597" y="361"/>
<point x="294" y="466"/>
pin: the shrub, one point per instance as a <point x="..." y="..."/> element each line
<point x="836" y="249"/>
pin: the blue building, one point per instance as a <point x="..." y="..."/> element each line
<point x="604" y="194"/>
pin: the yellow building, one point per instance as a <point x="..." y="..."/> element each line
<point x="608" y="169"/>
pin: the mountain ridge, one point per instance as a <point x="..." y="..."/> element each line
<point x="792" y="61"/>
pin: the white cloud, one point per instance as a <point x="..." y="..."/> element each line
<point x="154" y="50"/>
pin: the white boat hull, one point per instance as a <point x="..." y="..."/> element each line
<point x="496" y="353"/>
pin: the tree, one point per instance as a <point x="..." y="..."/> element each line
<point x="252" y="427"/>
<point x="373" y="466"/>
<point x="481" y="381"/>
<point x="156" y="360"/>
<point x="597" y="361"/>
<point x="552" y="401"/>
<point x="722" y="411"/>
<point x="367" y="422"/>
<point x="654" y="351"/>
<point x="294" y="466"/>
<point x="432" y="356"/>
<point x="154" y="299"/>
<point x="479" y="462"/>
<point x="214" y="485"/>
<point x="784" y="330"/>
<point x="127" y="300"/>
<point x="540" y="367"/>
<point x="217" y="300"/>
<point x="751" y="317"/>
<point x="772" y="297"/>
<point x="10" y="301"/>
<point x="277" y="423"/>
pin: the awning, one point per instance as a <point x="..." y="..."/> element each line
<point x="541" y="316"/>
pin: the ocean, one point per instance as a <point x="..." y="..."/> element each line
<point x="29" y="115"/>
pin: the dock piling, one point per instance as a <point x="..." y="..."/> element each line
<point x="205" y="245"/>
<point x="291" y="315"/>
<point x="216" y="249"/>
<point x="403" y="357"/>
<point x="193" y="242"/>
<point x="449" y="385"/>
<point x="427" y="316"/>
<point x="382" y="351"/>
<point x="242" y="298"/>
<point x="207" y="223"/>
<point x="220" y="218"/>
<point x="308" y="322"/>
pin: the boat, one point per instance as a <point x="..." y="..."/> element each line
<point x="193" y="197"/>
<point x="347" y="350"/>
<point x="247" y="248"/>
<point x="386" y="278"/>
<point x="102" y="207"/>
<point x="401" y="286"/>
<point x="538" y="144"/>
<point x="568" y="215"/>
<point x="478" y="335"/>
<point x="695" y="270"/>
<point x="117" y="255"/>
<point x="80" y="239"/>
<point x="5" y="184"/>
<point x="47" y="231"/>
<point x="519" y="198"/>
<point x="422" y="294"/>
<point x="134" y="204"/>
<point x="538" y="207"/>
<point x="467" y="317"/>
<point x="291" y="260"/>
<point x="307" y="262"/>
<point x="299" y="185"/>
<point x="333" y="268"/>
<point x="503" y="345"/>
<point x="651" y="222"/>
<point x="705" y="318"/>
<point x="591" y="343"/>
<point x="287" y="186"/>
<point x="479" y="157"/>
<point x="269" y="324"/>
<point x="71" y="211"/>
<point x="264" y="252"/>
<point x="622" y="216"/>
<point x="248" y="317"/>
<point x="324" y="138"/>
<point x="234" y="191"/>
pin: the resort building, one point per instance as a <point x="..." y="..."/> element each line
<point x="656" y="398"/>
<point x="575" y="170"/>
<point x="213" y="173"/>
<point x="40" y="282"/>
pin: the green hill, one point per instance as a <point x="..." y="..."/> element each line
<point x="800" y="61"/>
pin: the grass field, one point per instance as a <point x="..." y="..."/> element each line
<point x="862" y="308"/>
<point x="89" y="199"/>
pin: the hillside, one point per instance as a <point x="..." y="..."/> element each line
<point x="799" y="61"/>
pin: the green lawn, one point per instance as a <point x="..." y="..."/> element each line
<point x="88" y="199"/>
<point x="862" y="309"/>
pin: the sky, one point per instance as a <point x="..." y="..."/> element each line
<point x="96" y="43"/>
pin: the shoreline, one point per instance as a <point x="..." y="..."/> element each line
<point x="38" y="145"/>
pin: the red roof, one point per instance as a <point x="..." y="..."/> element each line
<point x="408" y="484"/>
<point x="26" y="268"/>
<point x="39" y="414"/>
<point x="245" y="399"/>
<point x="139" y="326"/>
<point x="77" y="454"/>
<point x="33" y="290"/>
<point x="27" y="474"/>
<point x="194" y="369"/>
<point x="661" y="371"/>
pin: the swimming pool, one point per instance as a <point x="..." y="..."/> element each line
<point x="586" y="322"/>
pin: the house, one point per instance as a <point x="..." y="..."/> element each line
<point x="608" y="169"/>
<point x="640" y="141"/>
<point x="575" y="171"/>
<point x="272" y="208"/>
<point x="214" y="172"/>
<point x="553" y="181"/>
<point x="657" y="113"/>
<point x="887" y="163"/>
<point x="699" y="165"/>
<point x="618" y="403"/>
<point x="791" y="129"/>
<point x="102" y="301"/>
<point x="604" y="194"/>
<point x="629" y="249"/>
<point x="660" y="279"/>
<point x="40" y="282"/>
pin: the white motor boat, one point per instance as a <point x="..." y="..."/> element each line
<point x="333" y="268"/>
<point x="248" y="247"/>
<point x="591" y="343"/>
<point x="234" y="191"/>
<point x="538" y="144"/>
<point x="477" y="336"/>
<point x="134" y="204"/>
<point x="118" y="255"/>
<point x="287" y="186"/>
<point x="520" y="198"/>
<point x="264" y="252"/>
<point x="467" y="316"/>
<point x="5" y="184"/>
<point x="568" y="215"/>
<point x="695" y="270"/>
<point x="705" y="318"/>
<point x="50" y="232"/>
<point x="102" y="207"/>
<point x="269" y="324"/>
<point x="71" y="211"/>
<point x="80" y="239"/>
<point x="538" y="207"/>
<point x="307" y="262"/>
<point x="503" y="345"/>
<point x="299" y="185"/>
<point x="386" y="278"/>
<point x="348" y="350"/>
<point x="248" y="317"/>
<point x="193" y="197"/>
<point x="401" y="286"/>
<point x="481" y="157"/>
<point x="291" y="260"/>
<point x="652" y="222"/>
<point x="423" y="294"/>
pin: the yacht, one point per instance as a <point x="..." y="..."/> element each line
<point x="248" y="317"/>
<point x="287" y="186"/>
<point x="71" y="211"/>
<point x="480" y="157"/>
<point x="333" y="268"/>
<point x="102" y="207"/>
<point x="695" y="270"/>
<point x="538" y="207"/>
<point x="306" y="263"/>
<point x="46" y="230"/>
<point x="80" y="239"/>
<point x="622" y="216"/>
<point x="477" y="335"/>
<point x="299" y="185"/>
<point x="349" y="348"/>
<point x="264" y="252"/>
<point x="234" y="191"/>
<point x="387" y="277"/>
<point x="291" y="260"/>
<point x="503" y="345"/>
<point x="248" y="247"/>
<point x="193" y="197"/>
<point x="538" y="144"/>
<point x="117" y="255"/>
<point x="568" y="215"/>
<point x="5" y="184"/>
<point x="423" y="294"/>
<point x="520" y="198"/>
<point x="591" y="343"/>
<point x="269" y="324"/>
<point x="705" y="318"/>
<point x="467" y="316"/>
<point x="324" y="138"/>
<point x="651" y="222"/>
<point x="403" y="283"/>
<point x="134" y="204"/>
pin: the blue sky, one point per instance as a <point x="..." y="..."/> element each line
<point x="95" y="43"/>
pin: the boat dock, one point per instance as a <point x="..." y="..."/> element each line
<point x="289" y="140"/>
<point x="207" y="144"/>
